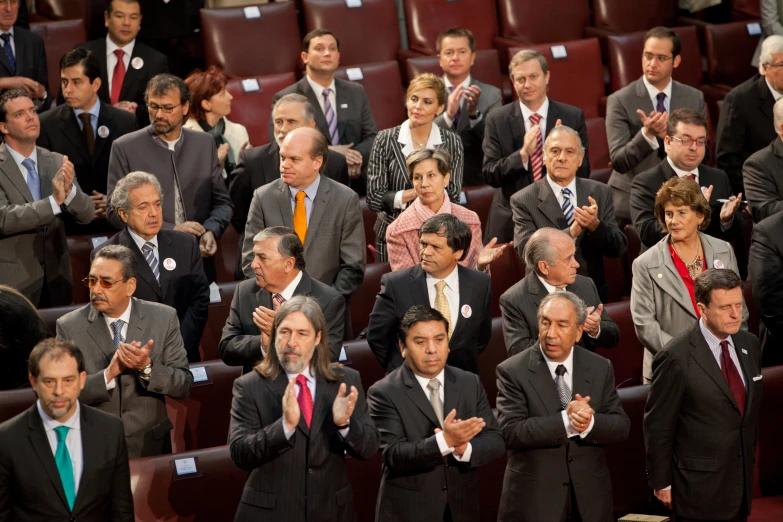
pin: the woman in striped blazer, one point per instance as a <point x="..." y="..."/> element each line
<point x="389" y="189"/>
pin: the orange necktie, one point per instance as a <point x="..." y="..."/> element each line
<point x="300" y="216"/>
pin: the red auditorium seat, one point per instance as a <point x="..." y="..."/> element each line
<point x="371" y="21"/>
<point x="363" y="299"/>
<point x="216" y="320"/>
<point x="533" y="21"/>
<point x="426" y="19"/>
<point x="244" y="47"/>
<point x="383" y="84"/>
<point x="360" y="358"/>
<point x="769" y="506"/>
<point x="201" y="420"/>
<point x="494" y="354"/>
<point x="506" y="270"/>
<point x="598" y="145"/>
<point x="254" y="108"/>
<point x="365" y="477"/>
<point x="212" y="493"/>
<point x="368" y="219"/>
<point x="729" y="49"/>
<point x="601" y="175"/>
<point x="746" y="9"/>
<point x="490" y="483"/>
<point x="628" y="355"/>
<point x="50" y="315"/>
<point x="486" y="67"/>
<point x="480" y="201"/>
<point x="577" y="78"/>
<point x="14" y="402"/>
<point x="59" y="37"/>
<point x="622" y="16"/>
<point x="227" y="253"/>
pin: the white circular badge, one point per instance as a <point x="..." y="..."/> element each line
<point x="103" y="131"/>
<point x="718" y="264"/>
<point x="466" y="311"/>
<point x="169" y="264"/>
<point x="137" y="63"/>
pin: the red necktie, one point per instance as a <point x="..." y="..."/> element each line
<point x="118" y="76"/>
<point x="732" y="376"/>
<point x="692" y="176"/>
<point x="537" y="159"/>
<point x="305" y="398"/>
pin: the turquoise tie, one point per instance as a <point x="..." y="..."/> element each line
<point x="63" y="460"/>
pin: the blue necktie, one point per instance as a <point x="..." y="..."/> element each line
<point x="116" y="327"/>
<point x="9" y="51"/>
<point x="64" y="466"/>
<point x="148" y="249"/>
<point x="568" y="209"/>
<point x="33" y="181"/>
<point x="331" y="118"/>
<point x="661" y="106"/>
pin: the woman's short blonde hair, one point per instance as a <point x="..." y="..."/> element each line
<point x="439" y="154"/>
<point x="428" y="81"/>
<point x="682" y="192"/>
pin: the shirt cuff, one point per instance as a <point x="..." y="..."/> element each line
<point x="726" y="226"/>
<point x="71" y="195"/>
<point x="653" y="142"/>
<point x="666" y="488"/>
<point x="597" y="335"/>
<point x="110" y="384"/>
<point x="476" y="121"/>
<point x="55" y="207"/>
<point x="398" y="204"/>
<point x="571" y="432"/>
<point x="465" y="456"/>
<point x="585" y="433"/>
<point x="286" y="432"/>
<point x="344" y="432"/>
<point x="442" y="446"/>
<point x="449" y="121"/>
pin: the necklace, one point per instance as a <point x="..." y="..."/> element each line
<point x="695" y="266"/>
<point x="420" y="145"/>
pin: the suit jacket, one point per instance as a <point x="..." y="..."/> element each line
<point x="536" y="207"/>
<point x="503" y="168"/>
<point x="519" y="306"/>
<point x="403" y="289"/>
<point x="473" y="135"/>
<point x="646" y="185"/>
<point x="766" y="274"/>
<point x="334" y="247"/>
<point x="661" y="305"/>
<point x="30" y="485"/>
<point x="745" y="126"/>
<point x="281" y="470"/>
<point x="542" y="459"/>
<point x="417" y="481"/>
<point x="193" y="163"/>
<point x="240" y="344"/>
<point x="355" y="123"/>
<point x="763" y="182"/>
<point x="136" y="80"/>
<point x="138" y="402"/>
<point x="693" y="430"/>
<point x="33" y="248"/>
<point x="185" y="288"/>
<point x="30" y="57"/>
<point x="771" y="23"/>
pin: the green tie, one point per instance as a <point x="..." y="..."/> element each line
<point x="63" y="460"/>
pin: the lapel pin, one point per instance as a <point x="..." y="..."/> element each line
<point x="103" y="131"/>
<point x="660" y="276"/>
<point x="467" y="311"/>
<point x="137" y="62"/>
<point x="718" y="263"/>
<point x="744" y="351"/>
<point x="169" y="264"/>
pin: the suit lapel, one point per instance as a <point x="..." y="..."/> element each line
<point x="342" y="109"/>
<point x="417" y="395"/>
<point x="91" y="459"/>
<point x="645" y="102"/>
<point x="665" y="275"/>
<point x="100" y="51"/>
<point x="398" y="155"/>
<point x="320" y="118"/>
<point x="465" y="297"/>
<point x="765" y="99"/>
<point x="46" y="171"/>
<point x="703" y="356"/>
<point x="542" y="381"/>
<point x="270" y="165"/>
<point x="136" y="330"/>
<point x="284" y="203"/>
<point x="320" y="205"/>
<point x="552" y="116"/>
<point x="747" y="368"/>
<point x="19" y="52"/>
<point x="536" y="290"/>
<point x="99" y="333"/>
<point x="418" y="286"/>
<point x="325" y="393"/>
<point x="516" y="124"/>
<point x="11" y="170"/>
<point x="131" y="73"/>
<point x="582" y="378"/>
<point x="6" y="64"/>
<point x="451" y="392"/>
<point x="165" y="250"/>
<point x="70" y="128"/>
<point x="547" y="204"/>
<point x="263" y="298"/>
<point x="43" y="450"/>
<point x="100" y="143"/>
<point x="143" y="270"/>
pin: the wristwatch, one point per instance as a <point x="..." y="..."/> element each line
<point x="147" y="370"/>
<point x="476" y="116"/>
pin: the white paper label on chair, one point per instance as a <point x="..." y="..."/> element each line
<point x="559" y="51"/>
<point x="463" y="198"/>
<point x="214" y="293"/>
<point x="252" y="12"/>
<point x="250" y="85"/>
<point x="353" y="3"/>
<point x="354" y="74"/>
<point x="185" y="466"/>
<point x="98" y="241"/>
<point x="343" y="356"/>
<point x="754" y="29"/>
<point x="199" y="374"/>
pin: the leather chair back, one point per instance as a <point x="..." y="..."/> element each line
<point x="253" y="109"/>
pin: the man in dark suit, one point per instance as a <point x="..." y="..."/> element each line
<point x="461" y="294"/>
<point x="293" y="420"/>
<point x="557" y="408"/>
<point x="60" y="460"/>
<point x="706" y="386"/>
<point x="686" y="144"/>
<point x="437" y="428"/>
<point x="551" y="254"/>
<point x="513" y="139"/>
<point x="580" y="207"/>
<point x="745" y="123"/>
<point x="84" y="129"/>
<point x="765" y="267"/>
<point x="133" y="350"/>
<point x="353" y="133"/>
<point x="168" y="262"/>
<point x="279" y="267"/>
<point x="22" y="58"/>
<point x="123" y="82"/>
<point x="469" y="99"/>
<point x="761" y="174"/>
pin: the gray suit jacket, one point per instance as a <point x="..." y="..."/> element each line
<point x="763" y="181"/>
<point x="33" y="249"/>
<point x="139" y="403"/>
<point x="660" y="303"/>
<point x="771" y="23"/>
<point x="334" y="247"/>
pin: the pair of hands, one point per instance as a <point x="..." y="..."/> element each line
<point x="62" y="184"/>
<point x="585" y="218"/>
<point x="34" y="90"/>
<point x="654" y="123"/>
<point x="580" y="413"/>
<point x="207" y="243"/>
<point x="127" y="106"/>
<point x="352" y="157"/>
<point x="263" y="318"/>
<point x="458" y="433"/>
<point x="342" y="407"/>
<point x="222" y="153"/>
<point x="530" y="142"/>
<point x="729" y="208"/>
<point x="593" y="322"/>
<point x="471" y="96"/>
<point x="129" y="356"/>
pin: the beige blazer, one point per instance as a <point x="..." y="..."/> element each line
<point x="660" y="303"/>
<point x="235" y="134"/>
<point x="771" y="23"/>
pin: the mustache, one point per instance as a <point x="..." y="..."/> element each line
<point x="97" y="297"/>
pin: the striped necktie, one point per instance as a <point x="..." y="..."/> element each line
<point x="148" y="249"/>
<point x="563" y="393"/>
<point x="537" y="159"/>
<point x="116" y="327"/>
<point x="8" y="50"/>
<point x="568" y="208"/>
<point x="331" y="118"/>
<point x="277" y="301"/>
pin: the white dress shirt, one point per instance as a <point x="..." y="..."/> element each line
<point x="125" y="317"/>
<point x="568" y="376"/>
<point x="111" y="58"/>
<point x="73" y="441"/>
<point x="310" y="193"/>
<point x="465" y="84"/>
<point x="94" y="112"/>
<point x="311" y="385"/>
<point x="551" y="289"/>
<point x="13" y="44"/>
<point x="775" y="94"/>
<point x="319" y="95"/>
<point x="717" y="352"/>
<point x="451" y="291"/>
<point x="444" y="448"/>
<point x="18" y="158"/>
<point x="558" y="190"/>
<point x="406" y="140"/>
<point x="140" y="242"/>
<point x="542" y="111"/>
<point x="653" y="91"/>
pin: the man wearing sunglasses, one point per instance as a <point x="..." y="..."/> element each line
<point x="133" y="351"/>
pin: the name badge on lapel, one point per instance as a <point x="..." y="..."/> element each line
<point x="467" y="311"/>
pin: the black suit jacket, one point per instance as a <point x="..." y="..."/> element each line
<point x="519" y="306"/>
<point x="312" y="462"/>
<point x="136" y="80"/>
<point x="503" y="137"/>
<point x="745" y="126"/>
<point x="185" y="288"/>
<point x="417" y="481"/>
<point x="30" y="486"/>
<point x="240" y="344"/>
<point x="766" y="273"/>
<point x="403" y="289"/>
<point x="542" y="460"/>
<point x="696" y="440"/>
<point x="761" y="174"/>
<point x="30" y="55"/>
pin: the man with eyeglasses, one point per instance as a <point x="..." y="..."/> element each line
<point x="184" y="161"/>
<point x="686" y="144"/>
<point x="22" y="58"/>
<point x="637" y="114"/>
<point x="133" y="352"/>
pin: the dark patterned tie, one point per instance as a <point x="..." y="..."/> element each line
<point x="661" y="106"/>
<point x="568" y="208"/>
<point x="732" y="376"/>
<point x="456" y="114"/>
<point x="116" y="327"/>
<point x="562" y="388"/>
<point x="277" y="301"/>
<point x="89" y="132"/>
<point x="9" y="51"/>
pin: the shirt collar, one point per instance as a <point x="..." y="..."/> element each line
<point x="50" y="424"/>
<point x="18" y="158"/>
<point x="111" y="47"/>
<point x="711" y="339"/>
<point x="424" y="381"/>
<point x="405" y="138"/>
<point x="94" y="110"/>
<point x="552" y="365"/>
<point x="653" y="90"/>
<point x="775" y="94"/>
<point x="452" y="280"/>
<point x="557" y="189"/>
<point x="311" y="190"/>
<point x="465" y="84"/>
<point x="306" y="372"/>
<point x="682" y="173"/>
<point x="318" y="89"/>
<point x="288" y="292"/>
<point x="140" y="240"/>
<point x="10" y="31"/>
<point x="125" y="315"/>
<point x="542" y="111"/>
<point x="549" y="288"/>
<point x="165" y="144"/>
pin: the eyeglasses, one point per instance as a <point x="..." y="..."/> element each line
<point x="155" y="108"/>
<point x="11" y="3"/>
<point x="90" y="282"/>
<point x="773" y="65"/>
<point x="687" y="142"/>
<point x="660" y="57"/>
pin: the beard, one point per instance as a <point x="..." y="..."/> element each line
<point x="291" y="365"/>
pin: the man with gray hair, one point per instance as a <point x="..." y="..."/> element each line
<point x="557" y="408"/>
<point x="551" y="255"/>
<point x="170" y="270"/>
<point x="744" y="124"/>
<point x="513" y="160"/>
<point x="279" y="268"/>
<point x="761" y="173"/>
<point x="582" y="208"/>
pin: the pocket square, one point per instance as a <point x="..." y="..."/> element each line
<point x="757" y="378"/>
<point x="744" y="351"/>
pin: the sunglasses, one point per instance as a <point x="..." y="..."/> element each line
<point x="90" y="282"/>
